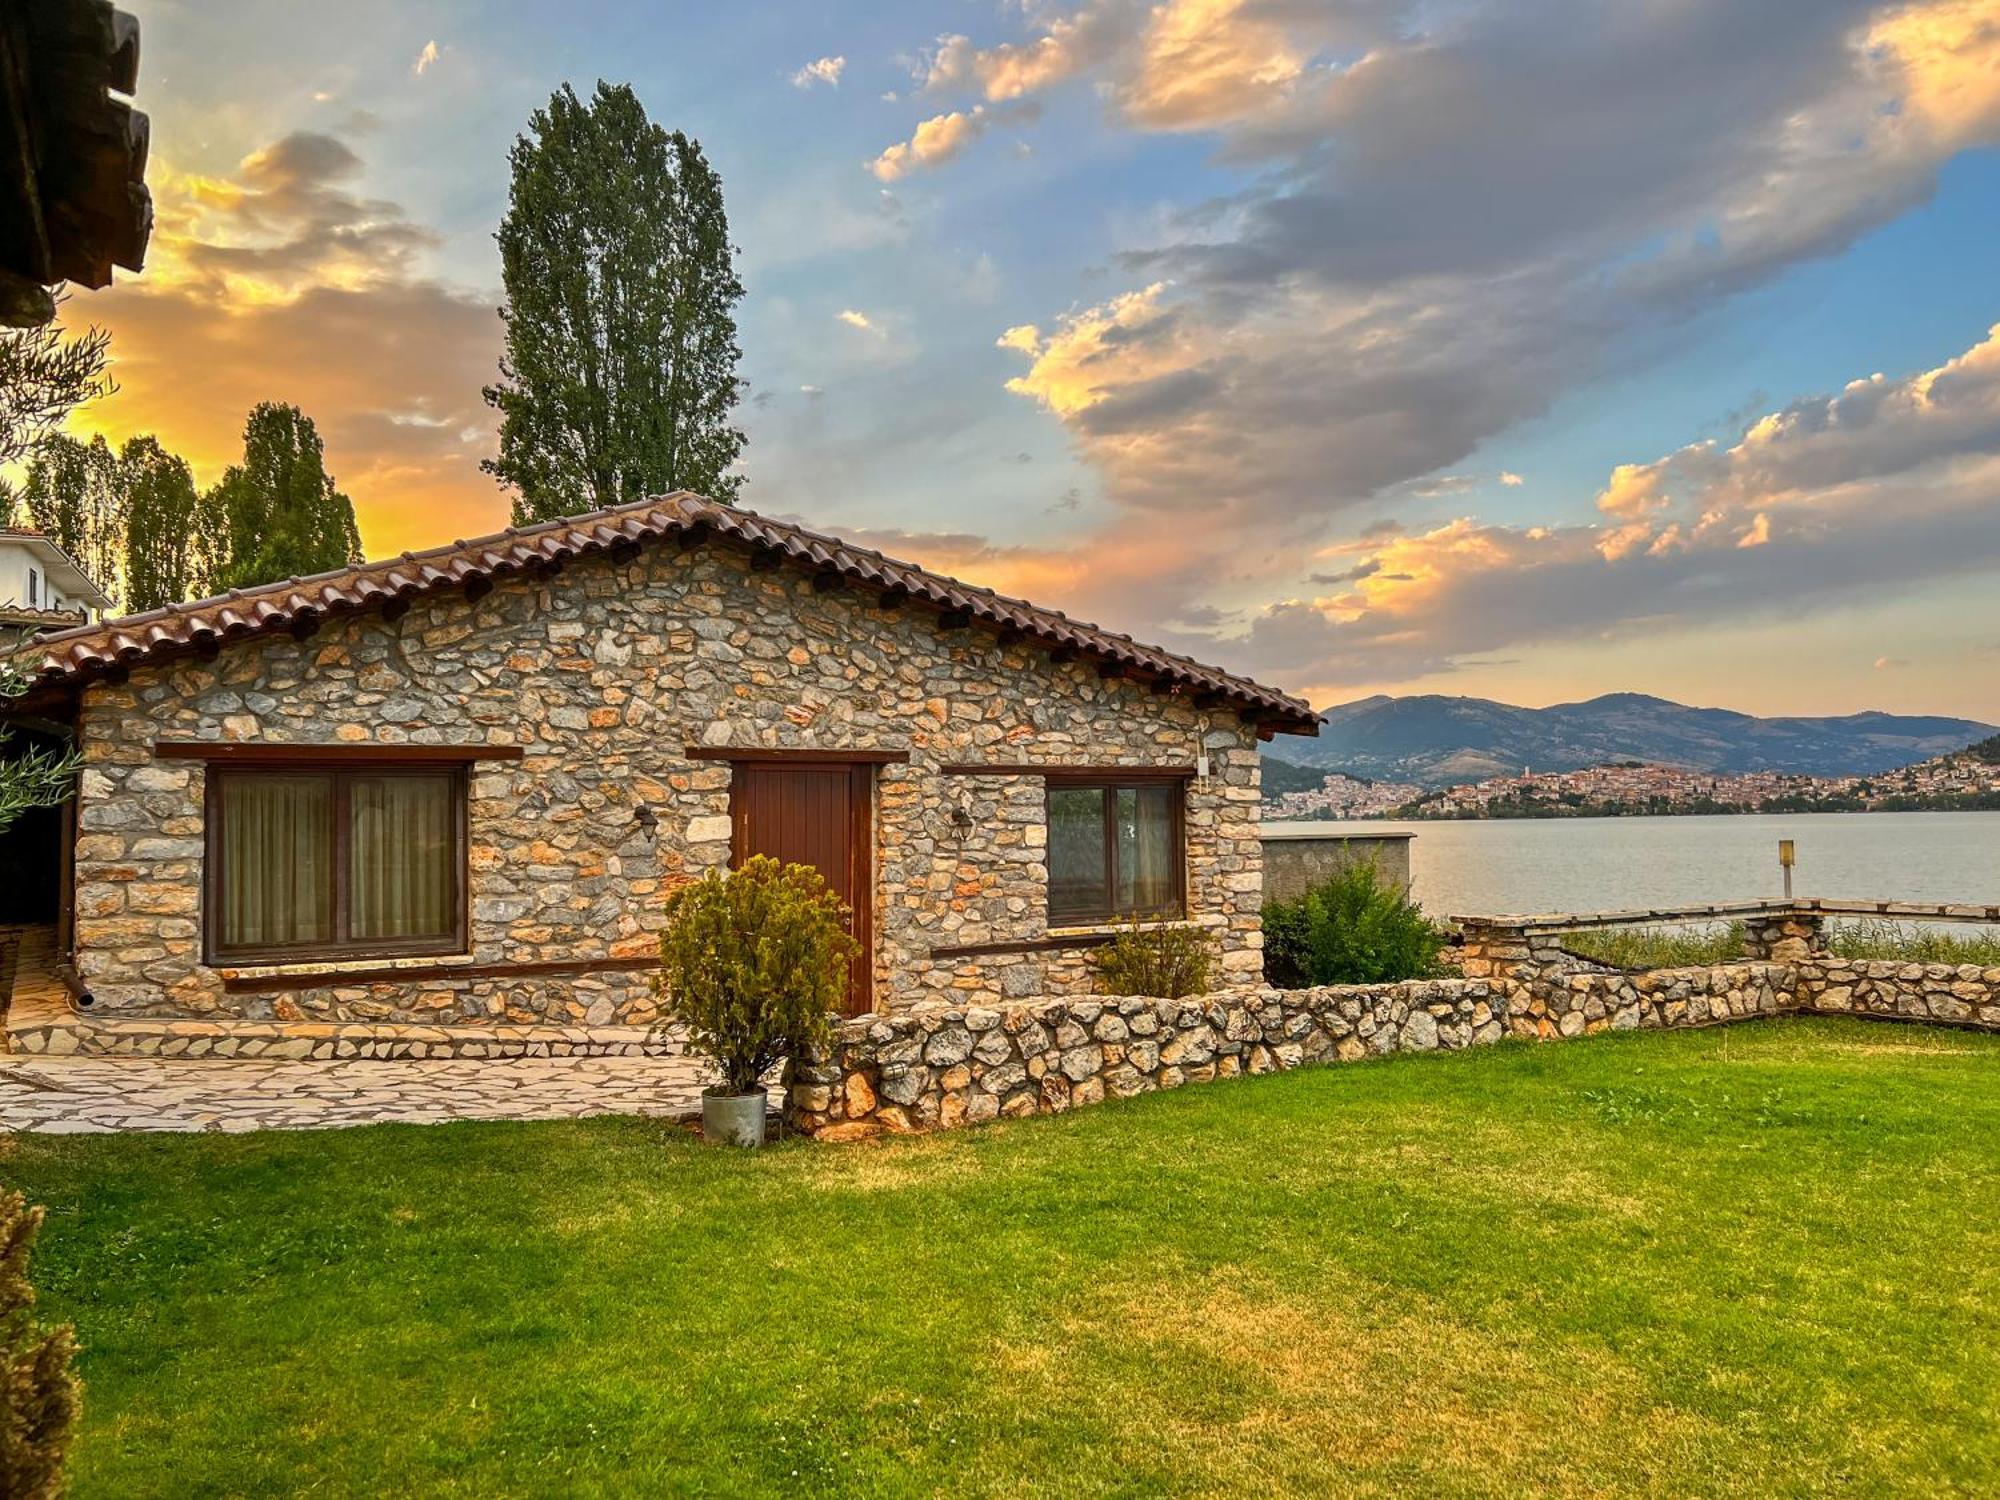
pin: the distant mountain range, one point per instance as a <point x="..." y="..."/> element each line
<point x="1437" y="741"/>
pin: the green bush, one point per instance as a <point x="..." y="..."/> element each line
<point x="755" y="963"/>
<point x="1353" y="928"/>
<point x="1162" y="961"/>
<point x="39" y="1394"/>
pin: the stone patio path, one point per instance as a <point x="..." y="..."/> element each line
<point x="84" y="1095"/>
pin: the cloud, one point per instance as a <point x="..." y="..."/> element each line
<point x="855" y="319"/>
<point x="937" y="140"/>
<point x="1445" y="219"/>
<point x="278" y="282"/>
<point x="1511" y="480"/>
<point x="1890" y="482"/>
<point x="824" y="70"/>
<point x="426" y="59"/>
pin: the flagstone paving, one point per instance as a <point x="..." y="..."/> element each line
<point x="81" y="1095"/>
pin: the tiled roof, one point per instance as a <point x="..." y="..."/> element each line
<point x="298" y="604"/>
<point x="41" y="619"/>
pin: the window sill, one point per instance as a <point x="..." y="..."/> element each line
<point x="305" y="970"/>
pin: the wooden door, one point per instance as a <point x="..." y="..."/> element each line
<point x="818" y="815"/>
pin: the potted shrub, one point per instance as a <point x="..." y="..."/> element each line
<point x="753" y="963"/>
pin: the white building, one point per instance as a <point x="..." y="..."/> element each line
<point x="41" y="587"/>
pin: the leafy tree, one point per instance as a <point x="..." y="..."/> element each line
<point x="279" y="509"/>
<point x="74" y="493"/>
<point x="44" y="377"/>
<point x="163" y="526"/>
<point x="39" y="1393"/>
<point x="620" y="367"/>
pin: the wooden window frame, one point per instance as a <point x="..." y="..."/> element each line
<point x="1110" y="784"/>
<point x="340" y="946"/>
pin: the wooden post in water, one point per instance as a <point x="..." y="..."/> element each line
<point x="1786" y="856"/>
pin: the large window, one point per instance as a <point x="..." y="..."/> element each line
<point x="1114" y="850"/>
<point x="308" y="863"/>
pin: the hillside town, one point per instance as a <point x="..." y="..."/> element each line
<point x="1967" y="779"/>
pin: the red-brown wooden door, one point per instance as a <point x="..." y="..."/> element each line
<point x="818" y="815"/>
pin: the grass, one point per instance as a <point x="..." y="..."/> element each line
<point x="1697" y="944"/>
<point x="1752" y="1260"/>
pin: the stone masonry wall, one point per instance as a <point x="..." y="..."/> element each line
<point x="1954" y="994"/>
<point x="604" y="674"/>
<point x="941" y="1065"/>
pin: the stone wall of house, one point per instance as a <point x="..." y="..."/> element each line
<point x="604" y="675"/>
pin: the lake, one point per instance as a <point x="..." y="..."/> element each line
<point x="1602" y="864"/>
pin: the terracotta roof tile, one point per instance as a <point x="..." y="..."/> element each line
<point x="78" y="655"/>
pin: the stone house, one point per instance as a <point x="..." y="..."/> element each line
<point x="454" y="787"/>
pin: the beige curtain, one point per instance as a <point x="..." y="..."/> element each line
<point x="277" y="860"/>
<point x="399" y="877"/>
<point x="1146" y="849"/>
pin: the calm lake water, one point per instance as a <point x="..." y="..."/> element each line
<point x="1601" y="864"/>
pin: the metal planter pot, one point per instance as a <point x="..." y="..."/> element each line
<point x="733" y="1119"/>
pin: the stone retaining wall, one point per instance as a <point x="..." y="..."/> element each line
<point x="1955" y="994"/>
<point x="942" y="1065"/>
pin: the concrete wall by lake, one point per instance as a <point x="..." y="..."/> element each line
<point x="1297" y="860"/>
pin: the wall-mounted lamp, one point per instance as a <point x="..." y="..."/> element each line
<point x="961" y="820"/>
<point x="648" y="821"/>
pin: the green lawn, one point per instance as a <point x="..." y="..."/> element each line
<point x="1754" y="1260"/>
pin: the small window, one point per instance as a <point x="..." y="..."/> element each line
<point x="1114" y="851"/>
<point x="34" y="589"/>
<point x="311" y="864"/>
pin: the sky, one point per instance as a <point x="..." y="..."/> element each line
<point x="1528" y="351"/>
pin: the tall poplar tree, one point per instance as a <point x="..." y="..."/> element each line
<point x="73" y="492"/>
<point x="163" y="525"/>
<point x="279" y="507"/>
<point x="619" y="374"/>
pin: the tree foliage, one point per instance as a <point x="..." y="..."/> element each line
<point x="279" y="510"/>
<point x="620" y="367"/>
<point x="755" y="963"/>
<point x="39" y="1393"/>
<point x="43" y="378"/>
<point x="75" y="492"/>
<point x="164" y="526"/>
<point x="1353" y="928"/>
<point x="40" y="776"/>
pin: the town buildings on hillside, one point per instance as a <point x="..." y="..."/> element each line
<point x="1969" y="777"/>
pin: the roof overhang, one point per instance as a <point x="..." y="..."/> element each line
<point x="63" y="572"/>
<point x="298" y="605"/>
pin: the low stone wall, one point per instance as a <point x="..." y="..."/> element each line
<point x="943" y="1065"/>
<point x="1953" y="994"/>
<point x="1578" y="1003"/>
